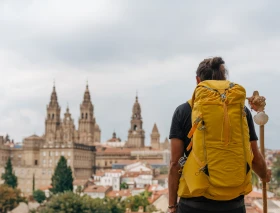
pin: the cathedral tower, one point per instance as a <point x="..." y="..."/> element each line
<point x="136" y="135"/>
<point x="52" y="122"/>
<point x="87" y="120"/>
<point x="155" y="138"/>
<point x="68" y="127"/>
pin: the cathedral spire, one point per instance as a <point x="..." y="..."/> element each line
<point x="155" y="137"/>
<point x="52" y="122"/>
<point x="86" y="95"/>
<point x="87" y="120"/>
<point x="53" y="101"/>
<point x="136" y="134"/>
<point x="136" y="111"/>
<point x="155" y="129"/>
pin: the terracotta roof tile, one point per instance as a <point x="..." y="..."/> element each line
<point x="99" y="189"/>
<point x="121" y="193"/>
<point x="43" y="188"/>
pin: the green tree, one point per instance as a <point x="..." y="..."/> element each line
<point x="9" y="176"/>
<point x="9" y="198"/>
<point x="164" y="170"/>
<point x="64" y="202"/>
<point x="39" y="196"/>
<point x="134" y="202"/>
<point x="79" y="190"/>
<point x="276" y="171"/>
<point x="124" y="185"/>
<point x="33" y="183"/>
<point x="116" y="205"/>
<point x="62" y="179"/>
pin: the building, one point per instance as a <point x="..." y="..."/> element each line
<point x="37" y="156"/>
<point x="117" y="154"/>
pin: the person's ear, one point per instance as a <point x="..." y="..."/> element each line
<point x="198" y="80"/>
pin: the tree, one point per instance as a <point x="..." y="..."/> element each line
<point x="79" y="190"/>
<point x="134" y="202"/>
<point x="164" y="170"/>
<point x="33" y="183"/>
<point x="276" y="171"/>
<point x="124" y="185"/>
<point x="39" y="196"/>
<point x="64" y="202"/>
<point x="9" y="198"/>
<point x="62" y="179"/>
<point x="9" y="176"/>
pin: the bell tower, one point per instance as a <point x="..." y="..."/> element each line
<point x="155" y="138"/>
<point x="87" y="120"/>
<point x="136" y="135"/>
<point x="68" y="127"/>
<point x="52" y="122"/>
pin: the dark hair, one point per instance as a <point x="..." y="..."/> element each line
<point x="212" y="69"/>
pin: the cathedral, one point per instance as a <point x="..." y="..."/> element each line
<point x="38" y="155"/>
<point x="63" y="131"/>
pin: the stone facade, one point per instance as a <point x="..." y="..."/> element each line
<point x="38" y="156"/>
<point x="136" y="134"/>
<point x="155" y="138"/>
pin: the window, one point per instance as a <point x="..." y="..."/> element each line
<point x="62" y="153"/>
<point x="44" y="153"/>
<point x="82" y="115"/>
<point x="135" y="127"/>
<point x="69" y="153"/>
<point x="52" y="116"/>
<point x="86" y="115"/>
<point x="36" y="162"/>
<point x="56" y="153"/>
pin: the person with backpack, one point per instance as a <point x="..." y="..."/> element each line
<point x="213" y="146"/>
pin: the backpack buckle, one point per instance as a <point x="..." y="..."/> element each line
<point x="223" y="97"/>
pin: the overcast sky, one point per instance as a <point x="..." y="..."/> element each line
<point x="123" y="46"/>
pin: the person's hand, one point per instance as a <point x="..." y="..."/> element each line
<point x="172" y="210"/>
<point x="257" y="102"/>
<point x="268" y="176"/>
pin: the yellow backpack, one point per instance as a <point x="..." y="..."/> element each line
<point x="219" y="165"/>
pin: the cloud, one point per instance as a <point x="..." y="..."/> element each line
<point x="120" y="47"/>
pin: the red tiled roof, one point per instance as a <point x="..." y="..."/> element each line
<point x="95" y="188"/>
<point x="254" y="194"/>
<point x="43" y="188"/>
<point x="120" y="193"/>
<point x="163" y="176"/>
<point x="79" y="182"/>
<point x="136" y="174"/>
<point x="113" y="171"/>
<point x="157" y="194"/>
<point x="99" y="173"/>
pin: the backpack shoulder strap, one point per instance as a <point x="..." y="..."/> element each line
<point x="190" y="103"/>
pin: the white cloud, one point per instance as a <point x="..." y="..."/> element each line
<point x="123" y="47"/>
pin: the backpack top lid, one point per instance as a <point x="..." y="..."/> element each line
<point x="216" y="84"/>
